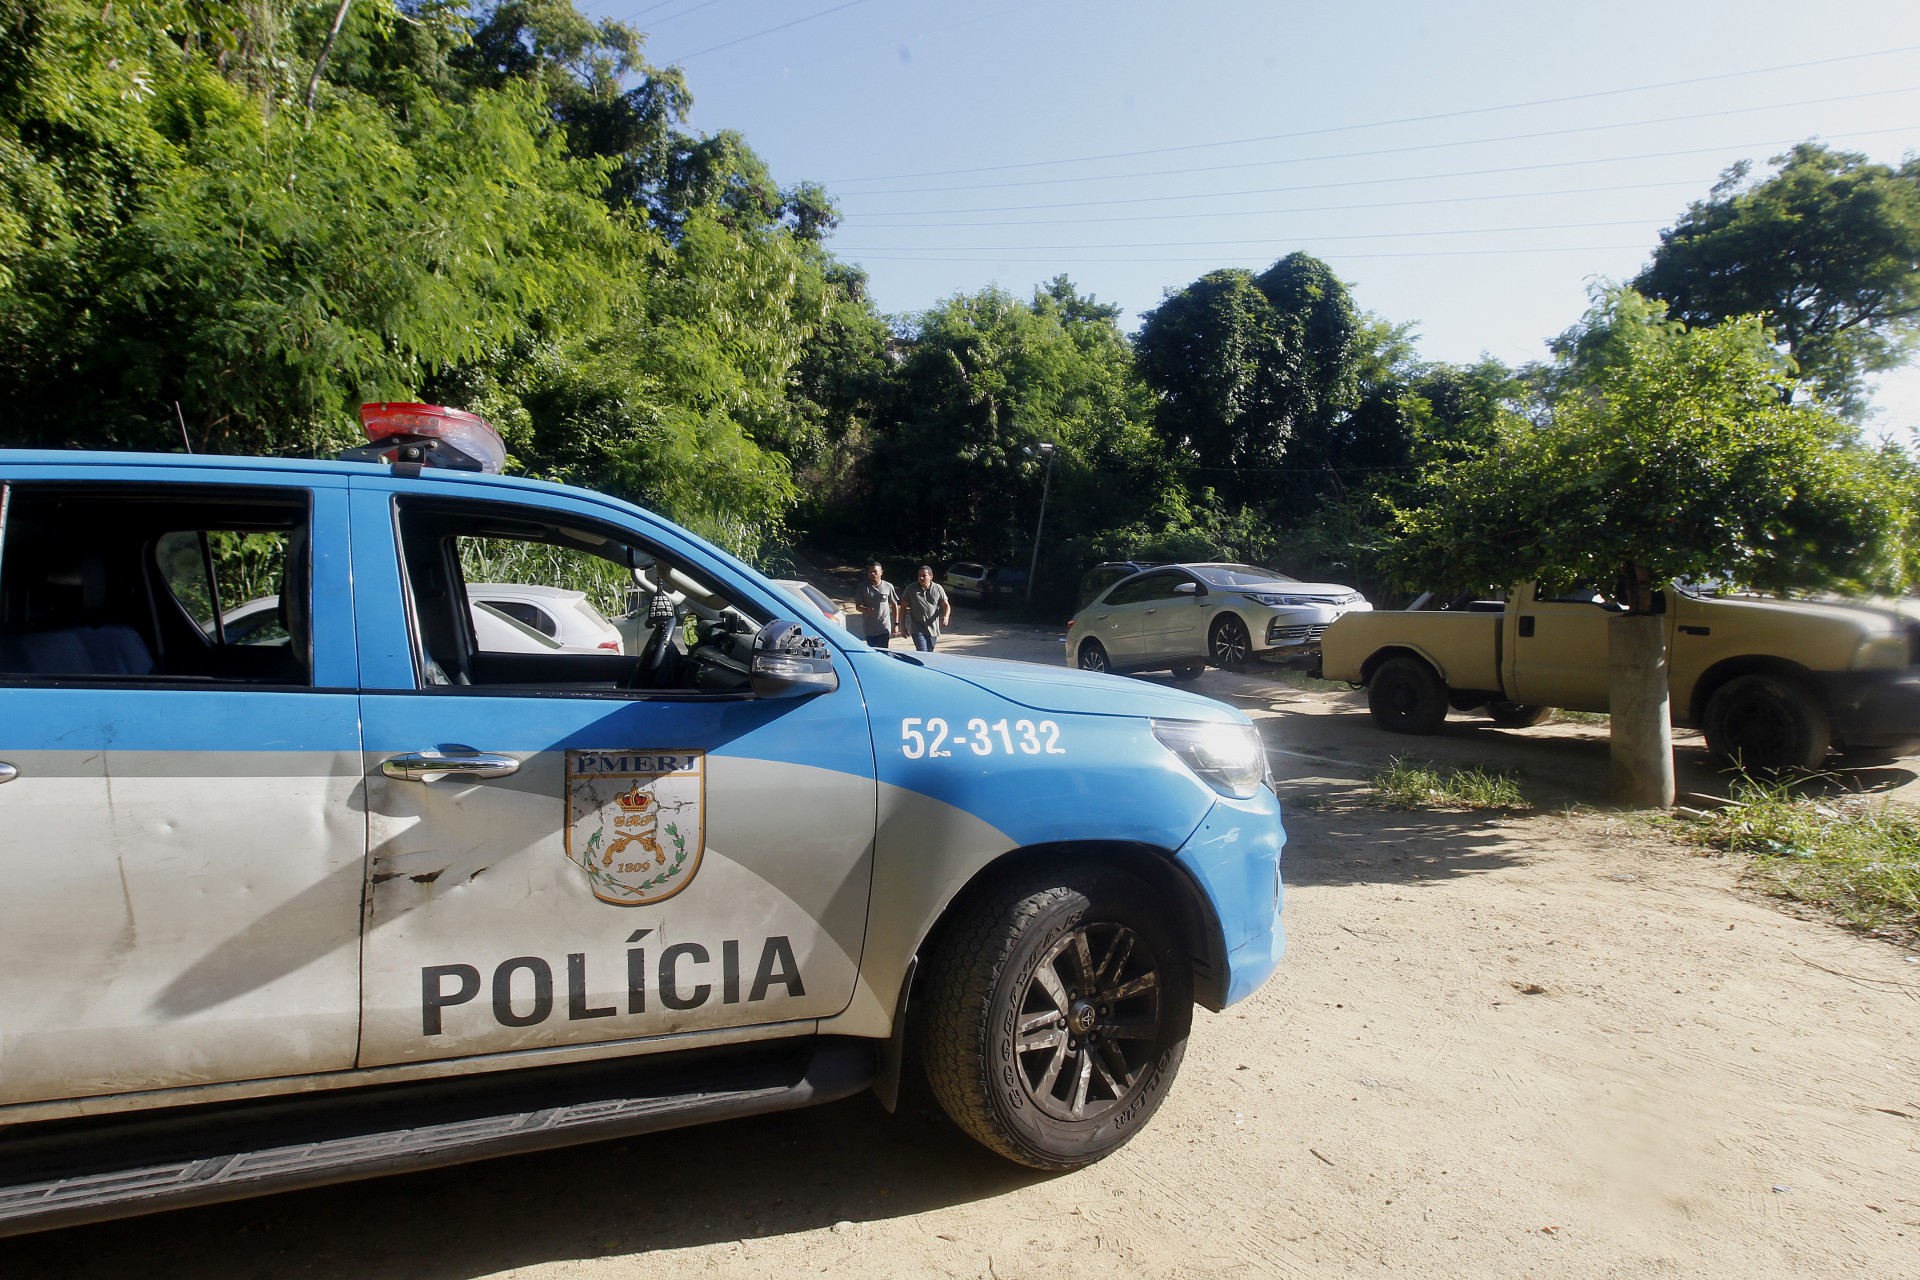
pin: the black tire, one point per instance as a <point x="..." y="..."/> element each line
<point x="1405" y="696"/>
<point x="1517" y="715"/>
<point x="1765" y="724"/>
<point x="1093" y="656"/>
<point x="1189" y="673"/>
<point x="1060" y="960"/>
<point x="1228" y="644"/>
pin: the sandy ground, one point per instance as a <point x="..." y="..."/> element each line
<point x="1550" y="1045"/>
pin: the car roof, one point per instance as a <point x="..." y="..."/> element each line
<point x="189" y="463"/>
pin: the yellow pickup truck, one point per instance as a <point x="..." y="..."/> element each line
<point x="1774" y="683"/>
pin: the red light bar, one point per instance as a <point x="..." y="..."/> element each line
<point x="404" y="424"/>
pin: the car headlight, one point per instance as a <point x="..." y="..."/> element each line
<point x="1230" y="758"/>
<point x="1283" y="602"/>
<point x="1882" y="653"/>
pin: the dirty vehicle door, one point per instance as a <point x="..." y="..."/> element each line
<point x="179" y="834"/>
<point x="573" y="848"/>
<point x="1558" y="647"/>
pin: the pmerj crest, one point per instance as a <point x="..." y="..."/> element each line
<point x="636" y="821"/>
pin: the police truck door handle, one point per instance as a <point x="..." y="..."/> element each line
<point x="430" y="766"/>
<point x="8" y="773"/>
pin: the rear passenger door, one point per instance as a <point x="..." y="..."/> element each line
<point x="180" y="838"/>
<point x="1560" y="647"/>
<point x="1173" y="625"/>
<point x="1116" y="620"/>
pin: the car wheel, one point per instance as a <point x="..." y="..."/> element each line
<point x="1093" y="657"/>
<point x="1189" y="672"/>
<point x="1058" y="1014"/>
<point x="1767" y="725"/>
<point x="1228" y="645"/>
<point x="1405" y="696"/>
<point x="1517" y="715"/>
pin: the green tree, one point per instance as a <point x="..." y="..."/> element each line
<point x="1826" y="251"/>
<point x="1666" y="452"/>
<point x="493" y="211"/>
<point x="983" y="380"/>
<point x="1245" y="366"/>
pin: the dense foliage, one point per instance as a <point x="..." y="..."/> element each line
<point x="1664" y="452"/>
<point x="225" y="225"/>
<point x="1826" y="251"/>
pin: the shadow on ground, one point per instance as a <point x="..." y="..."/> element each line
<point x="743" y="1180"/>
<point x="1347" y="844"/>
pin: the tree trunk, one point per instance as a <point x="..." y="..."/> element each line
<point x="1641" y="740"/>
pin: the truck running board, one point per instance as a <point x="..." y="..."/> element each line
<point x="66" y="1172"/>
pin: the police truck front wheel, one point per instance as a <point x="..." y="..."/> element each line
<point x="1056" y="1014"/>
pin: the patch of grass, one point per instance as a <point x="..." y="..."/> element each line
<point x="1581" y="717"/>
<point x="1302" y="680"/>
<point x="1856" y="857"/>
<point x="1409" y="785"/>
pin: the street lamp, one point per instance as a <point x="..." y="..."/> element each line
<point x="1033" y="565"/>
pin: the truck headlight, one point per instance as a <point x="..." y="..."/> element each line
<point x="1230" y="758"/>
<point x="1881" y="653"/>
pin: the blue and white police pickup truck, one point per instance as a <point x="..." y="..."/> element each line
<point x="352" y="894"/>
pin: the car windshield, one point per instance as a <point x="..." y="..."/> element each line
<point x="1233" y="576"/>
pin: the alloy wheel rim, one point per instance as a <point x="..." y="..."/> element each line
<point x="1231" y="644"/>
<point x="1089" y="1022"/>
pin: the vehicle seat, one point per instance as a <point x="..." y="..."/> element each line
<point x="67" y="634"/>
<point x="114" y="650"/>
<point x="296" y="604"/>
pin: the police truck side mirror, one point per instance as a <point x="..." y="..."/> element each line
<point x="789" y="663"/>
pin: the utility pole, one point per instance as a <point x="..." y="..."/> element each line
<point x="1033" y="566"/>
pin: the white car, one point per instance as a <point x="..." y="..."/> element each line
<point x="966" y="577"/>
<point x="813" y="597"/>
<point x="564" y="616"/>
<point x="1181" y="617"/>
<point x="258" y="622"/>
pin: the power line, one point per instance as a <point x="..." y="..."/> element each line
<point x="1374" y="182"/>
<point x="1381" y="124"/>
<point x="1180" y="244"/>
<point x="767" y="32"/>
<point x="1383" y="151"/>
<point x="888" y="256"/>
<point x="675" y="17"/>
<point x="864" y="225"/>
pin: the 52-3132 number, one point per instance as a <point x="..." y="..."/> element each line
<point x="934" y="738"/>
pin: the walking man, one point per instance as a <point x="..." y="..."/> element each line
<point x="879" y="604"/>
<point x="928" y="609"/>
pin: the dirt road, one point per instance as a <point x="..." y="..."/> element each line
<point x="1553" y="1045"/>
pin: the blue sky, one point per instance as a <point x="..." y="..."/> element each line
<point x="1470" y="167"/>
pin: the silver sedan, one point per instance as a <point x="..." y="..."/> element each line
<point x="1181" y="617"/>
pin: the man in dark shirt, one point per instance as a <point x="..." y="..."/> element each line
<point x="879" y="605"/>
